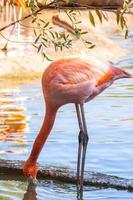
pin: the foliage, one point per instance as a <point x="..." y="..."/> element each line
<point x="47" y="37"/>
<point x="121" y="18"/>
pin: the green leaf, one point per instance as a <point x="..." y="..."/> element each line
<point x="84" y="32"/>
<point x="122" y="22"/>
<point x="34" y="46"/>
<point x="104" y="16"/>
<point x="45" y="56"/>
<point x="39" y="48"/>
<point x="87" y="42"/>
<point x="99" y="15"/>
<point x="34" y="20"/>
<point x="52" y="34"/>
<point x="38" y="37"/>
<point x="43" y="38"/>
<point x="46" y="25"/>
<point x="57" y="36"/>
<point x="118" y="17"/>
<point x="126" y="34"/>
<point x="91" y="18"/>
<point x="42" y="21"/>
<point x="70" y="11"/>
<point x="44" y="44"/>
<point x="92" y="46"/>
<point x="78" y="22"/>
<point x="34" y="30"/>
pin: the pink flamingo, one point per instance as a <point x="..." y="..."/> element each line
<point x="75" y="81"/>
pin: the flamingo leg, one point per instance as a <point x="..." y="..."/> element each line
<point x="83" y="141"/>
<point x="80" y="142"/>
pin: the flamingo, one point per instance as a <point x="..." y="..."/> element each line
<point x="71" y="80"/>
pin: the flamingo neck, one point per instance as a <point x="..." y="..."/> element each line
<point x="43" y="133"/>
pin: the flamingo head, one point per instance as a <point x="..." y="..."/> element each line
<point x="30" y="171"/>
<point x="120" y="73"/>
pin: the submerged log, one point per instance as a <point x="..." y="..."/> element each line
<point x="12" y="169"/>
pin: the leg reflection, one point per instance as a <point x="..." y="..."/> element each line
<point x="79" y="194"/>
<point x="30" y="193"/>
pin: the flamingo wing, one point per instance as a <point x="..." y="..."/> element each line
<point x="71" y="81"/>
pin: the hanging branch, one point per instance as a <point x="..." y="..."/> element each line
<point x="58" y="5"/>
<point x="27" y="16"/>
<point x="47" y="37"/>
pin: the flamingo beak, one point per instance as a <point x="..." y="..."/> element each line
<point x="130" y="76"/>
<point x="127" y="75"/>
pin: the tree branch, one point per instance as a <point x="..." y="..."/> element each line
<point x="57" y="5"/>
<point x="27" y="16"/>
<point x="19" y="20"/>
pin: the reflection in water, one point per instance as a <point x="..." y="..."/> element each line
<point x="12" y="118"/>
<point x="31" y="193"/>
<point x="53" y="190"/>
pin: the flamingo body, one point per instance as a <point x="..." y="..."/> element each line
<point x="75" y="81"/>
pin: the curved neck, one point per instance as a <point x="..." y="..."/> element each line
<point x="43" y="133"/>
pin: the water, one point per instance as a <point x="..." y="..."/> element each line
<point x="56" y="191"/>
<point x="109" y="119"/>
